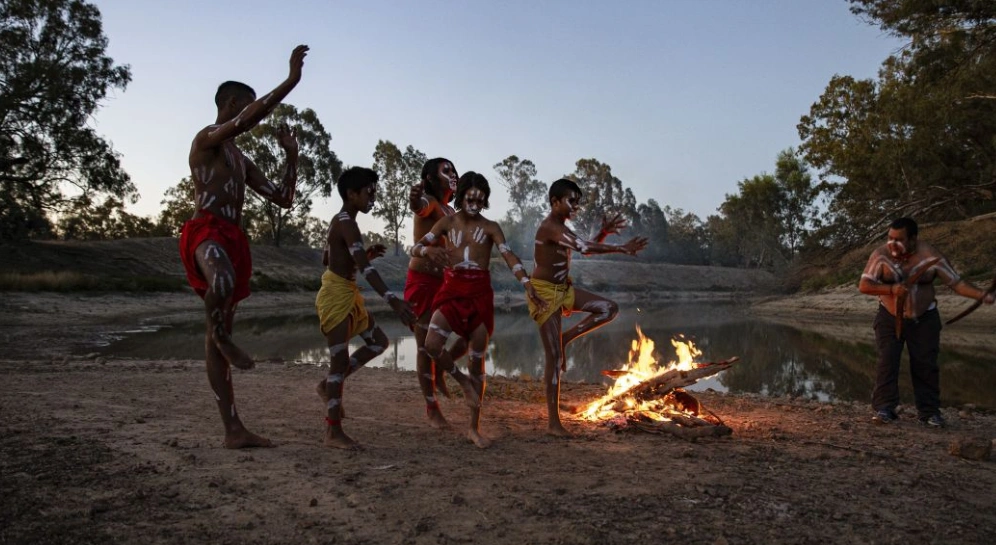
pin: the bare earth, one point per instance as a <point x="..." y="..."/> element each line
<point x="129" y="451"/>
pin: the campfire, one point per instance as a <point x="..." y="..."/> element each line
<point x="650" y="397"/>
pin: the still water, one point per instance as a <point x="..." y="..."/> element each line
<point x="775" y="359"/>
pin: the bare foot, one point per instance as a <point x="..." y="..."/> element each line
<point x="558" y="430"/>
<point x="325" y="397"/>
<point x="235" y="356"/>
<point x="336" y="438"/>
<point x="436" y="420"/>
<point x="479" y="440"/>
<point x="246" y="439"/>
<point x="469" y="386"/>
<point x="441" y="386"/>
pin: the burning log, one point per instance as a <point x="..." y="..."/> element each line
<point x="648" y="398"/>
<point x="662" y="384"/>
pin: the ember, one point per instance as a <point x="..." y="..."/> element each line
<point x="649" y="397"/>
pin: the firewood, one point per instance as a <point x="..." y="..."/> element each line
<point x="664" y="383"/>
<point x="689" y="434"/>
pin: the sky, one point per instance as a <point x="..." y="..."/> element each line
<point x="682" y="98"/>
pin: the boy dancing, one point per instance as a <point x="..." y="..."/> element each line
<point x="554" y="244"/>
<point x="430" y="203"/>
<point x="464" y="304"/>
<point x="340" y="306"/>
<point x="214" y="250"/>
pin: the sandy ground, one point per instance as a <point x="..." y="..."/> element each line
<point x="129" y="451"/>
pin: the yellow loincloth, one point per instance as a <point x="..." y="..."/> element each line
<point x="339" y="299"/>
<point x="559" y="297"/>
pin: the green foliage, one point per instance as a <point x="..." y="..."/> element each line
<point x="918" y="141"/>
<point x="651" y="222"/>
<point x="83" y="220"/>
<point x="53" y="76"/>
<point x="318" y="169"/>
<point x="528" y="197"/>
<point x="766" y="222"/>
<point x="687" y="242"/>
<point x="177" y="207"/>
<point x="398" y="173"/>
<point x="603" y="194"/>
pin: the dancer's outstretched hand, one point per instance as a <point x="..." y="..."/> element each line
<point x="634" y="245"/>
<point x="613" y="224"/>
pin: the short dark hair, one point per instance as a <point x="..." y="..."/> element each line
<point x="472" y="180"/>
<point x="430" y="172"/>
<point x="231" y="89"/>
<point x="355" y="179"/>
<point x="562" y="188"/>
<point x="905" y="223"/>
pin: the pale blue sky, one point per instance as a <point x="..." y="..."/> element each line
<point x="682" y="98"/>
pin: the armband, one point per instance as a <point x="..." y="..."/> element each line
<point x="524" y="280"/>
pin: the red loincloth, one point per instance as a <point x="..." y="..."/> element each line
<point x="230" y="237"/>
<point x="420" y="289"/>
<point x="466" y="300"/>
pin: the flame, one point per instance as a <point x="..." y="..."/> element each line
<point x="641" y="366"/>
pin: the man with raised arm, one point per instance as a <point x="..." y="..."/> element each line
<point x="464" y="304"/>
<point x="551" y="278"/>
<point x="214" y="250"/>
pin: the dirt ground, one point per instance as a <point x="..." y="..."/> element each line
<point x="129" y="451"/>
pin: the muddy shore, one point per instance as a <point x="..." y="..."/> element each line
<point x="128" y="451"/>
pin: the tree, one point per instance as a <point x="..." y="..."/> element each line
<point x="687" y="237"/>
<point x="798" y="214"/>
<point x="528" y="197"/>
<point x="177" y="207"/>
<point x="754" y="213"/>
<point x="53" y="76"/>
<point x="918" y="140"/>
<point x="651" y="222"/>
<point x="317" y="171"/>
<point x="603" y="194"/>
<point x="766" y="222"/>
<point x="83" y="220"/>
<point x="525" y="192"/>
<point x="371" y="238"/>
<point x="398" y="172"/>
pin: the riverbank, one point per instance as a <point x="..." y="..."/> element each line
<point x="96" y="450"/>
<point x="845" y="313"/>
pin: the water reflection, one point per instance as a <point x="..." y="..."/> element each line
<point x="775" y="359"/>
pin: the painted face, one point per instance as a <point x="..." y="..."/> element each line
<point x="899" y="243"/>
<point x="447" y="173"/>
<point x="367" y="197"/>
<point x="569" y="205"/>
<point x="473" y="201"/>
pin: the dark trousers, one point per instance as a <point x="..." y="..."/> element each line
<point x="922" y="337"/>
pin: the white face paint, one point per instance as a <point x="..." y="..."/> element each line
<point x="473" y="201"/>
<point x="896" y="248"/>
<point x="448" y="172"/>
